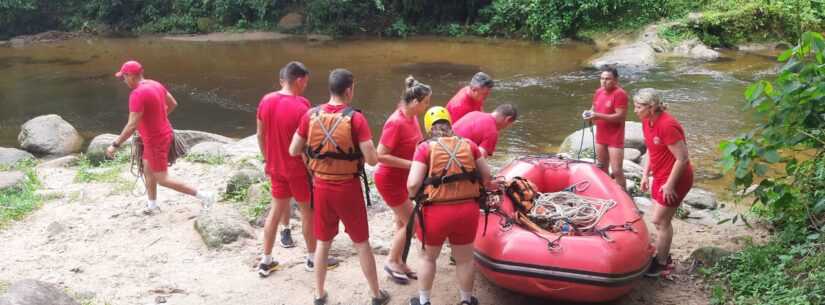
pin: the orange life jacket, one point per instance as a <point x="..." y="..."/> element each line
<point x="331" y="153"/>
<point x="522" y="192"/>
<point x="452" y="176"/>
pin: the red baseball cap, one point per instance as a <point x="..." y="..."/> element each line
<point x="130" y="67"/>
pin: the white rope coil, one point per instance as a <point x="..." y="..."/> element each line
<point x="553" y="210"/>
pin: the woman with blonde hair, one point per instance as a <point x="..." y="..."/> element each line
<point x="669" y="166"/>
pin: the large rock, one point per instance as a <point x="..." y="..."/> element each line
<point x="246" y="148"/>
<point x="12" y="179"/>
<point x="221" y="226"/>
<point x="632" y="154"/>
<point x="96" y="151"/>
<point x="291" y="22"/>
<point x="32" y="292"/>
<point x="693" y="48"/>
<point x="66" y="161"/>
<point x="209" y="150"/>
<point x="49" y="135"/>
<point x="632" y="169"/>
<point x="637" y="56"/>
<point x="10" y="156"/>
<point x="633" y="138"/>
<point x="241" y="180"/>
<point x="193" y="137"/>
<point x="701" y="199"/>
<point x="255" y="195"/>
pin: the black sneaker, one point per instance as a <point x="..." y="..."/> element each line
<point x="286" y="239"/>
<point x="656" y="269"/>
<point x="382" y="299"/>
<point x="320" y="301"/>
<point x="332" y="262"/>
<point x="265" y="270"/>
<point x="473" y="301"/>
<point x="417" y="301"/>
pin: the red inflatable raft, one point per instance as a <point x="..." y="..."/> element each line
<point x="601" y="265"/>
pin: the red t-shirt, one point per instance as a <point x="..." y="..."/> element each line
<point x="665" y="131"/>
<point x="462" y="103"/>
<point x="608" y="133"/>
<point x="279" y="115"/>
<point x="360" y="129"/>
<point x="400" y="134"/>
<point x="422" y="153"/>
<point x="149" y="97"/>
<point x="480" y="128"/>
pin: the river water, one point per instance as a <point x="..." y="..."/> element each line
<point x="218" y="85"/>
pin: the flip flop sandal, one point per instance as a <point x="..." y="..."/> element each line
<point x="412" y="275"/>
<point x="396" y="276"/>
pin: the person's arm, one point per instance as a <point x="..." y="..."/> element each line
<point x="171" y="103"/>
<point x="619" y="116"/>
<point x="385" y="157"/>
<point x="645" y="176"/>
<point x="416" y="177"/>
<point x="484" y="170"/>
<point x="679" y="150"/>
<point x="128" y="130"/>
<point x="260" y="133"/>
<point x="368" y="150"/>
<point x="296" y="147"/>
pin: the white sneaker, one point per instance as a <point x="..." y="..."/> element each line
<point x="207" y="199"/>
<point x="149" y="211"/>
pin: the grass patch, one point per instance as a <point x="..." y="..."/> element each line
<point x="4" y="286"/>
<point x="208" y="159"/>
<point x="17" y="202"/>
<point x="790" y="269"/>
<point x="108" y="171"/>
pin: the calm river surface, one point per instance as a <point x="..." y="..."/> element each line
<point x="219" y="85"/>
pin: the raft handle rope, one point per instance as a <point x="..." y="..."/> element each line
<point x="579" y="212"/>
<point x="587" y="124"/>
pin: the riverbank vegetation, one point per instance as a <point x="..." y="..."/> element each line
<point x="19" y="201"/>
<point x="790" y="139"/>
<point x="715" y="22"/>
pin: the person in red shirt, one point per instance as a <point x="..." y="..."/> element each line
<point x="336" y="141"/>
<point x="609" y="113"/>
<point x="149" y="107"/>
<point x="399" y="138"/>
<point x="670" y="167"/>
<point x="470" y="98"/>
<point x="483" y="128"/>
<point x="444" y="209"/>
<point x="278" y="116"/>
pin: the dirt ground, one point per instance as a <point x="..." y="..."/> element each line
<point x="92" y="242"/>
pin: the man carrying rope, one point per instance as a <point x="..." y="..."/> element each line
<point x="149" y="107"/>
<point x="608" y="113"/>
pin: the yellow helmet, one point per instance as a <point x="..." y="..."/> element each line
<point x="435" y="114"/>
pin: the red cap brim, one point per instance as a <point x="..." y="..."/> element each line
<point x="118" y="74"/>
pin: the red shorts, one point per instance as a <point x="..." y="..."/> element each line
<point x="342" y="201"/>
<point x="156" y="153"/>
<point x="296" y="186"/>
<point x="392" y="185"/>
<point x="458" y="222"/>
<point x="682" y="188"/>
<point x="610" y="135"/>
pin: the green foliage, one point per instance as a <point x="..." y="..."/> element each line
<point x="399" y="28"/>
<point x="106" y="172"/>
<point x="791" y="134"/>
<point x="676" y="33"/>
<point x="790" y="269"/>
<point x="17" y="202"/>
<point x="345" y="17"/>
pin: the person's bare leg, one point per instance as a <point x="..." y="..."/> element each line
<point x="285" y="218"/>
<point x="617" y="165"/>
<point x="402" y="216"/>
<point x="602" y="157"/>
<point x="662" y="219"/>
<point x="427" y="270"/>
<point x="464" y="266"/>
<point x="306" y="226"/>
<point x="151" y="183"/>
<point x="279" y="207"/>
<point x="321" y="254"/>
<point x="164" y="180"/>
<point x="367" y="260"/>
